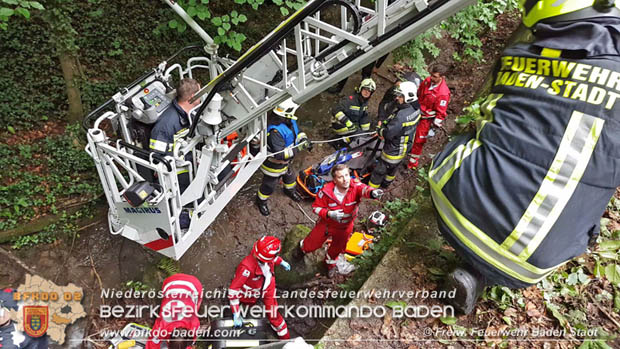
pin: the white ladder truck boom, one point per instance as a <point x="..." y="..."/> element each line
<point x="319" y="45"/>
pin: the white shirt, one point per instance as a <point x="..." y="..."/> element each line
<point x="339" y="195"/>
<point x="264" y="267"/>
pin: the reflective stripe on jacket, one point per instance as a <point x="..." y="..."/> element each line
<point x="398" y="131"/>
<point x="171" y="126"/>
<point x="525" y="193"/>
<point x="353" y="108"/>
<point x="280" y="138"/>
<point x="326" y="201"/>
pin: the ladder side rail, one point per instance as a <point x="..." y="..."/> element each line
<point x="398" y="35"/>
<point x="301" y="68"/>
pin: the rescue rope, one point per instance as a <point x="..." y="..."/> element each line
<point x="305" y="214"/>
<point x="262" y="158"/>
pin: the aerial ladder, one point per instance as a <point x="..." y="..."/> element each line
<point x="321" y="44"/>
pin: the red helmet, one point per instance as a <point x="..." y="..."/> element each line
<point x="266" y="248"/>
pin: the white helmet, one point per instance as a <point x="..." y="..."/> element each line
<point x="408" y="90"/>
<point x="286" y="109"/>
<point x="377" y="218"/>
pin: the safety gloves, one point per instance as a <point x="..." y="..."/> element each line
<point x="351" y="126"/>
<point x="237" y="320"/>
<point x="437" y="122"/>
<point x="338" y="215"/>
<point x="302" y="142"/>
<point x="376" y="194"/>
<point x="284" y="264"/>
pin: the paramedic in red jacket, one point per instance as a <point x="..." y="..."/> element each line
<point x="434" y="96"/>
<point x="336" y="204"/>
<point x="255" y="279"/>
<point x="182" y="295"/>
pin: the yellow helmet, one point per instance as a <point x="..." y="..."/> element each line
<point x="535" y="11"/>
<point x="369" y="84"/>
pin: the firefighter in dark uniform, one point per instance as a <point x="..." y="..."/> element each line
<point x="351" y="113"/>
<point x="174" y="124"/>
<point x="397" y="131"/>
<point x="525" y="193"/>
<point x="284" y="139"/>
<point x="388" y="102"/>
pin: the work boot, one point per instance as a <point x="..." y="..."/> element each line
<point x="263" y="207"/>
<point x="293" y="194"/>
<point x="298" y="254"/>
<point x="469" y="287"/>
<point x="413" y="163"/>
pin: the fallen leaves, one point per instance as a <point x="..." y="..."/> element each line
<point x="531" y="310"/>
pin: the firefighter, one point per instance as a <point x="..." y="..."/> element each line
<point x="525" y="193"/>
<point x="351" y="113"/>
<point x="285" y="139"/>
<point x="336" y="205"/>
<point x="174" y="124"/>
<point x="178" y="315"/>
<point x="255" y="279"/>
<point x="434" y="96"/>
<point x="387" y="104"/>
<point x="397" y="132"/>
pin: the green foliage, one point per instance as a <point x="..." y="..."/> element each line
<point x="415" y="51"/>
<point x="606" y="254"/>
<point x="135" y="285"/>
<point x="10" y="8"/>
<point x="114" y="49"/>
<point x="401" y="212"/>
<point x="65" y="227"/>
<point x="44" y="237"/>
<point x="225" y="34"/>
<point x="223" y="21"/>
<point x="471" y="112"/>
<point x="503" y="297"/>
<point x="465" y="27"/>
<point x="38" y="177"/>
<point x="169" y="266"/>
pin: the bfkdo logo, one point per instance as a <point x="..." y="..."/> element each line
<point x="36" y="319"/>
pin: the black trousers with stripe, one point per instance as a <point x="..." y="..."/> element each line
<point x="269" y="183"/>
<point x="382" y="170"/>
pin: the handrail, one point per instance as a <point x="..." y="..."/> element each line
<point x="258" y="51"/>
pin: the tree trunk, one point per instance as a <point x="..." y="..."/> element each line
<point x="72" y="74"/>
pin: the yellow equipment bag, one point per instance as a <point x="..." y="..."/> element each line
<point x="358" y="243"/>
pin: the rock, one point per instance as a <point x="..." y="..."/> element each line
<point x="301" y="271"/>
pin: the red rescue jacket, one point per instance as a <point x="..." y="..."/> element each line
<point x="433" y="102"/>
<point x="326" y="201"/>
<point x="249" y="280"/>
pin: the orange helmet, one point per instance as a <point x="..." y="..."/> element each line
<point x="266" y="248"/>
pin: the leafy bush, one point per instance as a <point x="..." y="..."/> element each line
<point x="465" y="27"/>
<point x="37" y="177"/>
<point x="225" y="23"/>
